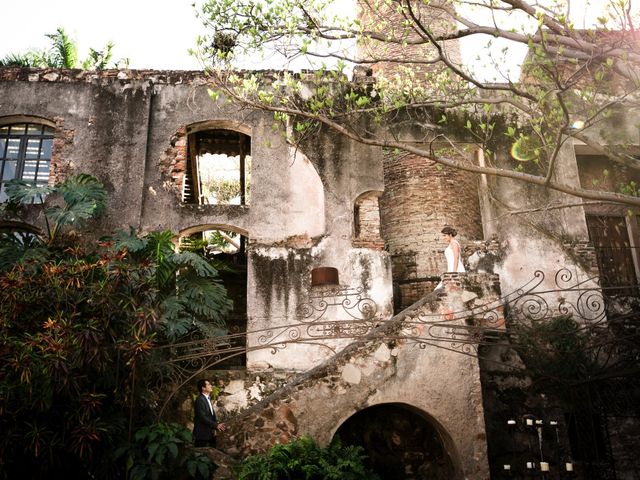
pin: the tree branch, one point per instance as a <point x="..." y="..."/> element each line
<point x="492" y="171"/>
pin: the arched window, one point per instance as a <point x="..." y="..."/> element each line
<point x="25" y="153"/>
<point x="219" y="168"/>
<point x="366" y="221"/>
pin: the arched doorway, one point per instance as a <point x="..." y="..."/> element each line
<point x="401" y="443"/>
<point x="226" y="247"/>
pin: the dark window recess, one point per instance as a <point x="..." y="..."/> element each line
<point x="228" y="251"/>
<point x="219" y="168"/>
<point x="356" y="220"/>
<point x="610" y="238"/>
<point x="25" y="154"/>
<point x="590" y="445"/>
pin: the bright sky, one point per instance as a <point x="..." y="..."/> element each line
<point x="158" y="33"/>
<point x="151" y="33"/>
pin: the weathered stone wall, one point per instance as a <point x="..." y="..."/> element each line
<point x="103" y="129"/>
<point x="128" y="128"/>
<point x="532" y="230"/>
<point x="390" y="365"/>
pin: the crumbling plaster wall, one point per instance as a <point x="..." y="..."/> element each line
<point x="301" y="213"/>
<point x="383" y="367"/>
<point x="532" y="232"/>
<point x="109" y="124"/>
<point x="534" y="236"/>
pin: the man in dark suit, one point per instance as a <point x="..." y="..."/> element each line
<point x="205" y="423"/>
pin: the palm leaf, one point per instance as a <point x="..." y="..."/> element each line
<point x="64" y="51"/>
<point x="160" y="244"/>
<point x="205" y="298"/>
<point x="71" y="214"/>
<point x="129" y="240"/>
<point x="174" y="320"/>
<point x="29" y="59"/>
<point x="99" y="59"/>
<point x="17" y="247"/>
<point x="17" y="60"/>
<point x="196" y="262"/>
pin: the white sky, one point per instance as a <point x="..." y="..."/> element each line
<point x="158" y="33"/>
<point x="151" y="33"/>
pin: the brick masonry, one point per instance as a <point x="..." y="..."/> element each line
<point x="173" y="162"/>
<point x="367" y="222"/>
<point x="420" y="198"/>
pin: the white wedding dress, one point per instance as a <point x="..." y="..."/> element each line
<point x="448" y="254"/>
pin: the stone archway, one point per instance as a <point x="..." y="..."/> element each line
<point x="227" y="247"/>
<point x="401" y="442"/>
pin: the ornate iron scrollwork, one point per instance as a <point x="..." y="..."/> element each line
<point x="348" y="300"/>
<point x="460" y="331"/>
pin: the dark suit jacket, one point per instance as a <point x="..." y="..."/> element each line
<point x="204" y="422"/>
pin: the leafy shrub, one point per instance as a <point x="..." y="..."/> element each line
<point x="303" y="459"/>
<point x="161" y="451"/>
<point x="78" y="328"/>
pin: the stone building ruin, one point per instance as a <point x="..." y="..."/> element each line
<point x="337" y="248"/>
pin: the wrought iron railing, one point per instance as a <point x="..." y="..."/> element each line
<point x="321" y="319"/>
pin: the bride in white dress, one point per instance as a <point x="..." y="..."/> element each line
<point x="452" y="252"/>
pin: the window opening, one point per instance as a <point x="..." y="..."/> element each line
<point x="228" y="250"/>
<point x="219" y="169"/>
<point x="614" y="252"/>
<point x="25" y="154"/>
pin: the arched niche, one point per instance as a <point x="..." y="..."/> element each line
<point x="306" y="206"/>
<point x="402" y="442"/>
<point x="366" y="220"/>
<point x="226" y="246"/>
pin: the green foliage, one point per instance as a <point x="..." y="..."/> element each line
<point x="83" y="196"/>
<point x="304" y="459"/>
<point x="99" y="59"/>
<point x="20" y="191"/>
<point x="556" y="351"/>
<point x="631" y="188"/>
<point x="79" y="327"/>
<point x="160" y="451"/>
<point x="63" y="53"/>
<point x="18" y="246"/>
<point x="74" y="327"/>
<point x="191" y="294"/>
<point x="24" y="60"/>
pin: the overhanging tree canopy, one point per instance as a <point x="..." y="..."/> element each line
<point x="573" y="84"/>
